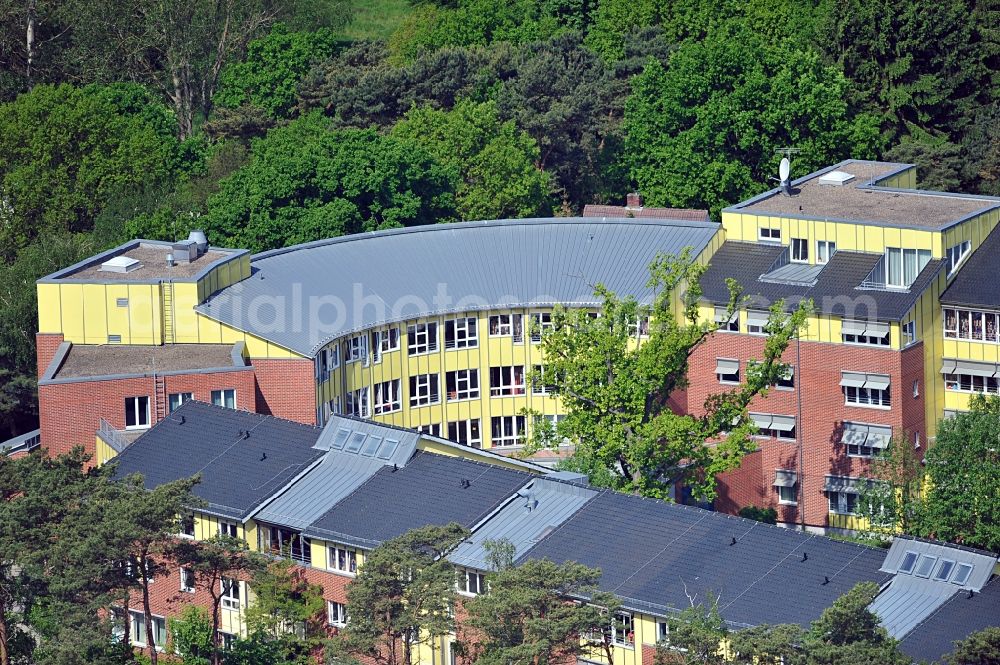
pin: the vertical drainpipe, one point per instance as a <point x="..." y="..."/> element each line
<point x="798" y="431"/>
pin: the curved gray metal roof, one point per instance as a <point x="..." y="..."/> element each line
<point x="302" y="297"/>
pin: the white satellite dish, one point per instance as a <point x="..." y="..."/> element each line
<point x="784" y="169"/>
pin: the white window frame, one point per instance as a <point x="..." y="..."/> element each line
<point x="187" y="580"/>
<point x="432" y="429"/>
<point x="185" y="521"/>
<point x="639" y="329"/>
<point x="872" y="398"/>
<point x="470" y="582"/>
<point x="825" y="249"/>
<point x="507" y="325"/>
<point x="422" y="338"/>
<point x="387" y="397"/>
<point x="227" y="528"/>
<point x="461" y="333"/>
<point x="956" y="255"/>
<point x="384" y="341"/>
<point x="969" y="383"/>
<point x="507" y="381"/>
<point x="425" y="389"/>
<point x="221" y="396"/>
<point x="462" y="384"/>
<point x="843" y="503"/>
<point x="768" y="234"/>
<point x="729" y="379"/>
<point x="540" y="387"/>
<point x="342" y="560"/>
<point x="466" y="432"/>
<point x="540" y="322"/>
<point x="336" y="614"/>
<point x="784" y="490"/>
<point x="512" y="431"/>
<point x="800" y="250"/>
<point x="355" y="349"/>
<point x="137" y="630"/>
<point x="914" y="260"/>
<point x="358" y="403"/>
<point x="622" y="635"/>
<point x="231" y="594"/>
<point x="909" y="330"/>
<point x="174" y="400"/>
<point x="963" y="325"/>
<point x="139" y="415"/>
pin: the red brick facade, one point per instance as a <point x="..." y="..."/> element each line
<point x="45" y="349"/>
<point x="818" y="404"/>
<point x="71" y="412"/>
<point x="286" y="388"/>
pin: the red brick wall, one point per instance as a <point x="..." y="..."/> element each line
<point x="45" y="349"/>
<point x="818" y="369"/>
<point x="286" y="388"/>
<point x="70" y="413"/>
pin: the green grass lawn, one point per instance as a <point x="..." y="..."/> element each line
<point x="376" y="19"/>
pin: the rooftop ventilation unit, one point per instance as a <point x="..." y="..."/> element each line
<point x="836" y="178"/>
<point x="120" y="264"/>
<point x="198" y="237"/>
<point x="185" y="251"/>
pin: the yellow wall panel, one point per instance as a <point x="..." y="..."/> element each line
<point x="49" y="308"/>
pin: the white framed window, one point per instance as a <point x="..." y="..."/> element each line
<point x="857" y="396"/>
<point x="903" y="265"/>
<point x="356" y="403"/>
<point x="227" y="640"/>
<point x="336" y="406"/>
<point x="465" y="432"/>
<point x="356" y="348"/>
<point x="507" y="430"/>
<point x="978" y="325"/>
<point x="540" y="322"/>
<point x="433" y="429"/>
<point x="506" y="381"/>
<point x="461" y="333"/>
<point x="971" y="383"/>
<point x="174" y="400"/>
<point x="187" y="526"/>
<point x="757" y="322"/>
<point x="336" y="614"/>
<point x="387" y="397"/>
<point x="842" y="503"/>
<point x="187" y="580"/>
<point x="868" y="333"/>
<point x="540" y="384"/>
<point x="766" y="234"/>
<point x="909" y="332"/>
<point x="384" y="341"/>
<point x="787" y="495"/>
<point x="342" y="560"/>
<point x="725" y="321"/>
<point x="225" y="397"/>
<point x="137" y="622"/>
<point x="623" y="630"/>
<point x="775" y="433"/>
<point x="425" y="389"/>
<point x="916" y="387"/>
<point x="507" y="325"/>
<point x="787" y="380"/>
<point x="957" y="254"/>
<point x="727" y="370"/>
<point x="137" y="412"/>
<point x="229" y="529"/>
<point x="470" y="582"/>
<point x="800" y="250"/>
<point x="640" y="328"/>
<point x="825" y="249"/>
<point x="421" y="338"/>
<point x="663" y="632"/>
<point x="231" y="596"/>
<point x="286" y="542"/>
<point x="462" y="384"/>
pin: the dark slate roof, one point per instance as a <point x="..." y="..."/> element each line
<point x="955" y="620"/>
<point x="746" y="262"/>
<point x="653" y="554"/>
<point x="976" y="283"/>
<point x="447" y="268"/>
<point x="203" y="438"/>
<point x="428" y="490"/>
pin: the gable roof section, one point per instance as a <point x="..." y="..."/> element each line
<point x="835" y="291"/>
<point x="237" y="473"/>
<point x="976" y="283"/>
<point x="354" y="451"/>
<point x="447" y="268"/>
<point x="653" y="554"/>
<point x="527" y="517"/>
<point x="428" y="490"/>
<point x="959" y="617"/>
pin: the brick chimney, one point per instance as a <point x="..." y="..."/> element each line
<point x="633" y="200"/>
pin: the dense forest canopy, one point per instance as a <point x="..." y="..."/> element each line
<point x="270" y="122"/>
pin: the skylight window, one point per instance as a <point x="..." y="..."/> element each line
<point x="944" y="570"/>
<point x="962" y="574"/>
<point x="388" y="448"/>
<point x="909" y="559"/>
<point x="371" y="445"/>
<point x="340" y="439"/>
<point x="925" y="566"/>
<point x="354" y="445"/>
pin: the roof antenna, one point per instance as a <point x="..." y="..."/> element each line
<point x="395" y="467"/>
